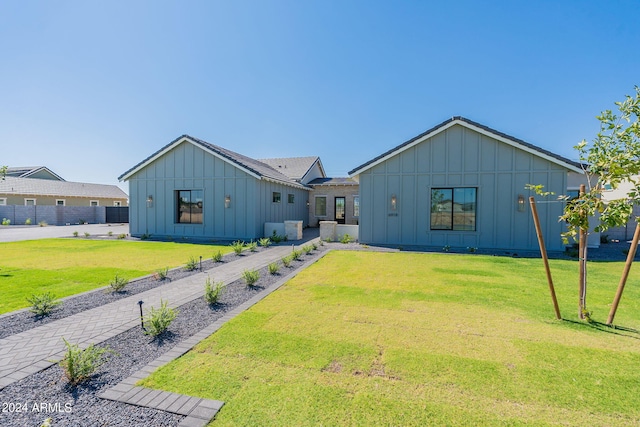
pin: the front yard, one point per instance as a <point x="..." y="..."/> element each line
<point x="364" y="338"/>
<point x="70" y="266"/>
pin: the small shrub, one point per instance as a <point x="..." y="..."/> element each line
<point x="276" y="238"/>
<point x="82" y="221"/>
<point x="122" y="236"/>
<point x="250" y="277"/>
<point x="446" y="248"/>
<point x="212" y="291"/>
<point x="295" y="255"/>
<point x="307" y="249"/>
<point x="191" y="265"/>
<point x="43" y="304"/>
<point x="217" y="257"/>
<point x="118" y="284"/>
<point x="321" y="243"/>
<point x="314" y="246"/>
<point x="286" y="261"/>
<point x="158" y="320"/>
<point x="237" y="246"/>
<point x="28" y="221"/>
<point x="328" y="240"/>
<point x="75" y="234"/>
<point x="110" y="233"/>
<point x="265" y="242"/>
<point x="145" y="236"/>
<point x="252" y="246"/>
<point x="161" y="274"/>
<point x="43" y="223"/>
<point x="472" y="249"/>
<point x="79" y="365"/>
<point x="273" y="268"/>
<point x="346" y="238"/>
<point x="86" y="234"/>
<point x="6" y="221"/>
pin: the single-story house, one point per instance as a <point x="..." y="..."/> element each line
<point x="37" y="193"/>
<point x="191" y="188"/>
<point x="462" y="184"/>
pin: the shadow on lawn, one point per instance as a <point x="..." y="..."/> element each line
<point x="610" y="329"/>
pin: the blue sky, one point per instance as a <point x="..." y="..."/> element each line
<point x="91" y="88"/>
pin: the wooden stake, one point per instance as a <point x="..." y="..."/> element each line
<point x="582" y="244"/>
<point x="625" y="274"/>
<point x="545" y="258"/>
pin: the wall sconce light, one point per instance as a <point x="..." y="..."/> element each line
<point x="149" y="201"/>
<point x="394" y="202"/>
<point x="307" y="203"/>
<point x="227" y="201"/>
<point x="520" y="203"/>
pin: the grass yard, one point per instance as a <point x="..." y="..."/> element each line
<point x="70" y="266"/>
<point x="363" y="338"/>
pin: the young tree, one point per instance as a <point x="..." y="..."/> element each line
<point x="611" y="159"/>
<point x="3" y="171"/>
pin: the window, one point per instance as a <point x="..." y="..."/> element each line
<point x="94" y="203"/>
<point x="356" y="206"/>
<point x="189" y="206"/>
<point x="60" y="202"/>
<point x="290" y="198"/>
<point x="453" y="209"/>
<point x="3" y="202"/>
<point x="275" y="198"/>
<point x="321" y="205"/>
<point x="117" y="203"/>
<point x="29" y="202"/>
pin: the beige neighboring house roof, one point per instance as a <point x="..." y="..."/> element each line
<point x="294" y="167"/>
<point x="48" y="187"/>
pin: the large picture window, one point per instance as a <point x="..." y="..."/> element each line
<point x="453" y="209"/>
<point x="189" y="206"/>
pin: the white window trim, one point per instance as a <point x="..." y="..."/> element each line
<point x="91" y="202"/>
<point x="117" y="203"/>
<point x="315" y="203"/>
<point x="3" y="201"/>
<point x="64" y="202"/>
<point x="26" y="200"/>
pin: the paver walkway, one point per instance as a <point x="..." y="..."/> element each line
<point x="31" y="351"/>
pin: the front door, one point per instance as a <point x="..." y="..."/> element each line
<point x="340" y="209"/>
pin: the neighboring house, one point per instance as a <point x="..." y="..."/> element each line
<point x="462" y="184"/>
<point x="32" y="192"/>
<point x="625" y="232"/>
<point x="191" y="188"/>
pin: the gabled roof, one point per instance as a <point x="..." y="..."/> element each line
<point x="294" y="167"/>
<point x="29" y="171"/>
<point x="332" y="181"/>
<point x="485" y="130"/>
<point x="251" y="166"/>
<point x="49" y="187"/>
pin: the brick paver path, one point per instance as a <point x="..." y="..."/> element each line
<point x="31" y="351"/>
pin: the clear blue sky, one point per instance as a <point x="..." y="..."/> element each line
<point x="90" y="88"/>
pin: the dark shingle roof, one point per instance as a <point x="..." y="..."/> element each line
<point x="332" y="181"/>
<point x="28" y="171"/>
<point x="253" y="166"/>
<point x="293" y="167"/>
<point x="477" y="125"/>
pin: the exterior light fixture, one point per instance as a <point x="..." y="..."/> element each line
<point x="141" y="316"/>
<point x="520" y="203"/>
<point x="149" y="201"/>
<point x="227" y="201"/>
<point x="394" y="202"/>
<point x="307" y="203"/>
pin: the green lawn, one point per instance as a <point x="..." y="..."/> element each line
<point x="70" y="266"/>
<point x="364" y="338"/>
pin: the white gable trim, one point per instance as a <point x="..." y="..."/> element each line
<point x="174" y="145"/>
<point x="317" y="162"/>
<point x="476" y="129"/>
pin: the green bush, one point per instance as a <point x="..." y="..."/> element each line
<point x="295" y="255"/>
<point x="28" y="221"/>
<point x="43" y="304"/>
<point x="158" y="320"/>
<point x="118" y="284"/>
<point x="212" y="291"/>
<point x="86" y="234"/>
<point x="191" y="265"/>
<point x="276" y="238"/>
<point x="43" y="223"/>
<point x="346" y="238"/>
<point x="79" y="365"/>
<point x="217" y="257"/>
<point x="237" y="246"/>
<point x="286" y="261"/>
<point x="273" y="268"/>
<point x="250" y="277"/>
<point x="265" y="242"/>
<point x="75" y="234"/>
<point x="122" y="236"/>
<point x="252" y="246"/>
<point x="6" y="221"/>
<point x="161" y="274"/>
<point x="314" y="246"/>
<point x="110" y="233"/>
<point x="307" y="249"/>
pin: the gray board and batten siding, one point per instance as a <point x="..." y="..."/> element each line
<point x="461" y="154"/>
<point x="190" y="164"/>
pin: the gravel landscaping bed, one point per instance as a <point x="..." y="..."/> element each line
<point x="80" y="406"/>
<point x="24" y="320"/>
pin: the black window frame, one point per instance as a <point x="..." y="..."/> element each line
<point x="291" y="198"/>
<point x="193" y="206"/>
<point x="453" y="225"/>
<point x="276" y="197"/>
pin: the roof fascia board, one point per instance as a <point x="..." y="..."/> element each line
<point x="288" y="184"/>
<point x="174" y="145"/>
<point x="476" y="129"/>
<point x="316" y="162"/>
